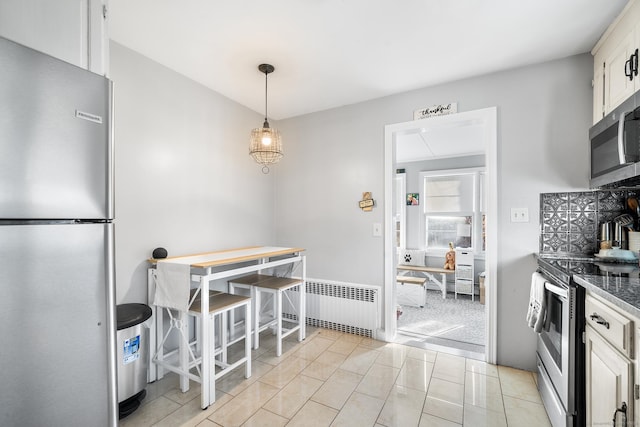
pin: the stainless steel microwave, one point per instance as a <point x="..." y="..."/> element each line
<point x="615" y="145"/>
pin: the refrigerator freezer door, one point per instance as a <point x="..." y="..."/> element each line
<point x="55" y="138"/>
<point x="57" y="326"/>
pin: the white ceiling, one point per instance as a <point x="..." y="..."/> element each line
<point x="459" y="139"/>
<point x="329" y="53"/>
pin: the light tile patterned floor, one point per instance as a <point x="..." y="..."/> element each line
<point x="336" y="379"/>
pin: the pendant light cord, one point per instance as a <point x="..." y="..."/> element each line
<point x="266" y="86"/>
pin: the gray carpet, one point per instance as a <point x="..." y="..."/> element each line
<point x="451" y="319"/>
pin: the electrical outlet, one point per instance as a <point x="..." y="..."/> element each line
<point x="377" y="229"/>
<point x="519" y="214"/>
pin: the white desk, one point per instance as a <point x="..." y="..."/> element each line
<point x="210" y="266"/>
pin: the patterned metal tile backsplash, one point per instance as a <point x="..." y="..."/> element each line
<point x="569" y="222"/>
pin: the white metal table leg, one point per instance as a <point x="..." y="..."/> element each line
<point x="159" y="337"/>
<point x="256" y="320"/>
<point x="232" y="313"/>
<point x="151" y="291"/>
<point x="302" y="313"/>
<point x="278" y="313"/>
<point x="211" y="376"/>
<point x="207" y="367"/>
<point x="183" y="352"/>
<point x="247" y="339"/>
<point x="224" y="338"/>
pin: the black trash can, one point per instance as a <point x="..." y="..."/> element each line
<point x="133" y="355"/>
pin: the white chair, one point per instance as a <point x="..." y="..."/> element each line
<point x="245" y="286"/>
<point x="271" y="315"/>
<point x="183" y="308"/>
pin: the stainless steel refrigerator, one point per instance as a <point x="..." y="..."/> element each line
<point x="57" y="293"/>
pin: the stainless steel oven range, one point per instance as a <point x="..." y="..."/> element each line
<point x="560" y="350"/>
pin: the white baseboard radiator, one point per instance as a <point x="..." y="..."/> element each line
<point x="340" y="306"/>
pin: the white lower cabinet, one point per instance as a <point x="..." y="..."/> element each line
<point x="609" y="382"/>
<point x="610" y="365"/>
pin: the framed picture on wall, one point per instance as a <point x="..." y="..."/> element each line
<point x="413" y="199"/>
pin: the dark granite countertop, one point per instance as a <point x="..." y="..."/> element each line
<point x="623" y="292"/>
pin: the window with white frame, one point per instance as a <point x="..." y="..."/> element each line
<point x="453" y="209"/>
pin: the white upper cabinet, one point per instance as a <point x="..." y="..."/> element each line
<point x="614" y="76"/>
<point x="72" y="30"/>
<point x="618" y="86"/>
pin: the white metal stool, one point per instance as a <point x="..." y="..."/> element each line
<point x="259" y="284"/>
<point x="187" y="356"/>
<point x="220" y="305"/>
<point x="245" y="286"/>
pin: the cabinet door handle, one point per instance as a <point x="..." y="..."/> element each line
<point x="599" y="320"/>
<point x="631" y="66"/>
<point x="623" y="411"/>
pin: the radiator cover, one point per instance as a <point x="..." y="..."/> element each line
<point x="340" y="306"/>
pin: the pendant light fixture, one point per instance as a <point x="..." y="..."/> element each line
<point x="266" y="144"/>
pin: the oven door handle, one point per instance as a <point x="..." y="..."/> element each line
<point x="622" y="151"/>
<point x="557" y="290"/>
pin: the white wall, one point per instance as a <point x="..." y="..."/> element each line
<point x="184" y="178"/>
<point x="331" y="158"/>
<point x="544" y="112"/>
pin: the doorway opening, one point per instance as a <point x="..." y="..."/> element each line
<point x="446" y="166"/>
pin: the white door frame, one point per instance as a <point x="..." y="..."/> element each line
<point x="488" y="117"/>
<point x="401" y="182"/>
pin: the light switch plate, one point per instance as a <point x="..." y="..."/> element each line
<point x="377" y="229"/>
<point x="519" y="214"/>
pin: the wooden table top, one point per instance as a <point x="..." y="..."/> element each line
<point x="229" y="256"/>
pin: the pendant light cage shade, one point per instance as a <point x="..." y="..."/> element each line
<point x="266" y="144"/>
<point x="262" y="152"/>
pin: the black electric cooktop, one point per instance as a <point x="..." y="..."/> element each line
<point x="564" y="267"/>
